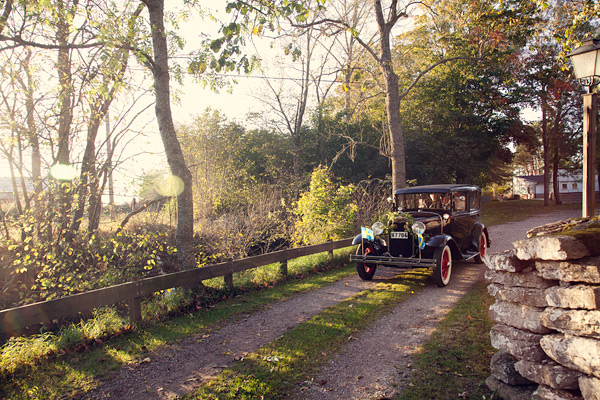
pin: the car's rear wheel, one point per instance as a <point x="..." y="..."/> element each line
<point x="365" y="271"/>
<point x="443" y="266"/>
<point x="482" y="248"/>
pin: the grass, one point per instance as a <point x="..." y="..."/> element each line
<point x="455" y="361"/>
<point x="501" y="212"/>
<point x="275" y="370"/>
<point x="32" y="374"/>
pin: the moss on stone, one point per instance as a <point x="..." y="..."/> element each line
<point x="589" y="236"/>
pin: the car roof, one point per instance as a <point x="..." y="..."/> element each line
<point x="441" y="188"/>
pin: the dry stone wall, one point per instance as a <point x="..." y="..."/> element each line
<point x="547" y="309"/>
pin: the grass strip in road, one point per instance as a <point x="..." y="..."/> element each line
<point x="275" y="370"/>
<point x="75" y="372"/>
<point x="455" y="361"/>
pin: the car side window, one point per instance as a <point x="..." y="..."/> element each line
<point x="459" y="201"/>
<point x="475" y="200"/>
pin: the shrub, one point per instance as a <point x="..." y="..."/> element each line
<point x="47" y="270"/>
<point x="325" y="211"/>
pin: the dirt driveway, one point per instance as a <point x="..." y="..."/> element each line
<point x="385" y="350"/>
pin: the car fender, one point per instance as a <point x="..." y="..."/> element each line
<point x="439" y="240"/>
<point x="380" y="244"/>
<point x="443" y="240"/>
<point x="358" y="239"/>
<point x="477" y="229"/>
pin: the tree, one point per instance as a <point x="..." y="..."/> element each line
<point x="289" y="103"/>
<point x="159" y="65"/>
<point x="485" y="39"/>
<point x="86" y="62"/>
<point x="551" y="89"/>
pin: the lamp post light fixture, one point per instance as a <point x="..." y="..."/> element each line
<point x="586" y="65"/>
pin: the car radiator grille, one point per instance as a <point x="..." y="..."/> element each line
<point x="402" y="247"/>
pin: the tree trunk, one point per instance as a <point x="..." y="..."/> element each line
<point x="160" y="70"/>
<point x="392" y="101"/>
<point x="555" y="183"/>
<point x="109" y="167"/>
<point x="36" y="158"/>
<point x="65" y="101"/>
<point x="556" y="129"/>
<point x="396" y="135"/>
<point x="89" y="189"/>
<point x="546" y="149"/>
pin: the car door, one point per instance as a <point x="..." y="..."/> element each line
<point x="461" y="220"/>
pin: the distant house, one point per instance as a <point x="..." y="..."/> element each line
<point x="7" y="197"/>
<point x="570" y="186"/>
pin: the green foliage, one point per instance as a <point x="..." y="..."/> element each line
<point x="350" y="145"/>
<point x="231" y="166"/>
<point x="398" y="220"/>
<point x="226" y="52"/>
<point x="46" y="270"/>
<point x="325" y="211"/>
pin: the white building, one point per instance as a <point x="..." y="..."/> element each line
<point x="570" y="186"/>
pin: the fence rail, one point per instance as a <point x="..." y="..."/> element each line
<point x="13" y="320"/>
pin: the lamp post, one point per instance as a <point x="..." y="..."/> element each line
<point x="586" y="65"/>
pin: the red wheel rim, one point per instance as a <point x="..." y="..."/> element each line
<point x="366" y="266"/>
<point x="445" y="264"/>
<point x="482" y="245"/>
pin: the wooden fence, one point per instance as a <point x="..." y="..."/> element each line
<point x="13" y="320"/>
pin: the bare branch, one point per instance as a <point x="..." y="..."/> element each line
<point x="432" y="66"/>
<point x="139" y="210"/>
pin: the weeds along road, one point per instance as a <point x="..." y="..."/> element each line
<point x="375" y="364"/>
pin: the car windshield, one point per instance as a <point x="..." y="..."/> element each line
<point x="415" y="201"/>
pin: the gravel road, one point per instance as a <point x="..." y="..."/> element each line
<point x="374" y="365"/>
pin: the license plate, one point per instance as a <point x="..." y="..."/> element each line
<point x="399" y="235"/>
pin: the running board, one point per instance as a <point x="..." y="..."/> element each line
<point x="396" y="262"/>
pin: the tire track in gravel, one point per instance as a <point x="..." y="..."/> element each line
<point x="378" y="363"/>
<point x="184" y="366"/>
<point x="373" y="365"/>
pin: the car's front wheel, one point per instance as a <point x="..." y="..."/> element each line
<point x="443" y="266"/>
<point x="365" y="271"/>
<point x="482" y="248"/>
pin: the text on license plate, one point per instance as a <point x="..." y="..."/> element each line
<point x="399" y="235"/>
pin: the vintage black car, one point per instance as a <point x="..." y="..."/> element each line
<point x="430" y="227"/>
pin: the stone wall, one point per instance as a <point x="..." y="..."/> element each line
<point x="547" y="309"/>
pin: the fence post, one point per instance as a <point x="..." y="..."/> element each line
<point x="330" y="251"/>
<point x="228" y="281"/>
<point x="135" y="310"/>
<point x="283" y="270"/>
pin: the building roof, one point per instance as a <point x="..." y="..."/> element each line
<point x="532" y="178"/>
<point x="441" y="188"/>
<point x="7" y="187"/>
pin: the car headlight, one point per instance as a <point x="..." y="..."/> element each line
<point x="418" y="228"/>
<point x="378" y="228"/>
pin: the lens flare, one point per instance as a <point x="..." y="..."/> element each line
<point x="63" y="172"/>
<point x="168" y="185"/>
